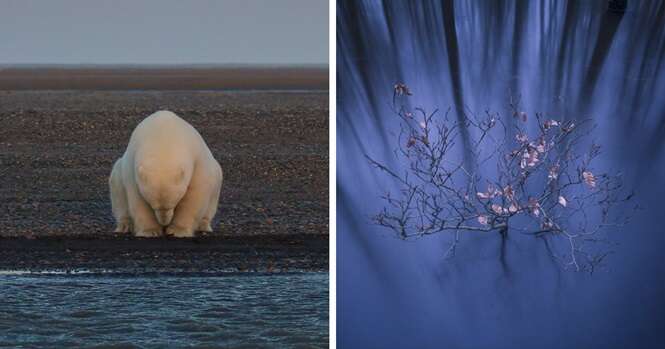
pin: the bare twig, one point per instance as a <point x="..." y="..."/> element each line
<point x="538" y="183"/>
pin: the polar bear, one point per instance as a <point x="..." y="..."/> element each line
<point x="167" y="181"/>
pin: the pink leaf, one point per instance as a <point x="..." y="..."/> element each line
<point x="513" y="208"/>
<point x="497" y="209"/>
<point x="508" y="192"/>
<point x="522" y="138"/>
<point x="482" y="195"/>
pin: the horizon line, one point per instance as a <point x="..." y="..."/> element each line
<point x="167" y="65"/>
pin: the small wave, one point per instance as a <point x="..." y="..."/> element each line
<point x="70" y="311"/>
<point x="44" y="272"/>
<point x="149" y="273"/>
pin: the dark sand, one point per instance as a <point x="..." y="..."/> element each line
<point x="57" y="149"/>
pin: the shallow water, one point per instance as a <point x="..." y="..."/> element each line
<point x="248" y="311"/>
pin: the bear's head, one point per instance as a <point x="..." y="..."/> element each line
<point x="163" y="188"/>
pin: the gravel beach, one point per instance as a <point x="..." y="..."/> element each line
<point x="56" y="152"/>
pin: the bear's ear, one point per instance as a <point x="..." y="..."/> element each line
<point x="180" y="176"/>
<point x="143" y="176"/>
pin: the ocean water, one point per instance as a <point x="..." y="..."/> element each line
<point x="121" y="311"/>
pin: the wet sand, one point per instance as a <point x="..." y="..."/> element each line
<point x="57" y="149"/>
<point x="127" y="255"/>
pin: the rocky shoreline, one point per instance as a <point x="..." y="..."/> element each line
<point x="57" y="149"/>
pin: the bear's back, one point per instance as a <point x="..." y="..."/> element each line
<point x="165" y="133"/>
<point x="166" y="121"/>
<point x="167" y="125"/>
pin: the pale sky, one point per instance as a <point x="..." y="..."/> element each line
<point x="164" y="31"/>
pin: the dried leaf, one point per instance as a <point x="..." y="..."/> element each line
<point x="529" y="158"/>
<point x="402" y="89"/>
<point x="411" y="142"/>
<point x="523" y="163"/>
<point x="534" y="207"/>
<point x="493" y="191"/>
<point x="513" y="154"/>
<point x="497" y="209"/>
<point x="508" y="192"/>
<point x="482" y="219"/>
<point x="562" y="201"/>
<point x="541" y="147"/>
<point x="589" y="178"/>
<point x="553" y="173"/>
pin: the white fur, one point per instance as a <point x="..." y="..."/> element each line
<point x="167" y="181"/>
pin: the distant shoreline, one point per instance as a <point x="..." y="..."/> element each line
<point x="162" y="65"/>
<point x="162" y="77"/>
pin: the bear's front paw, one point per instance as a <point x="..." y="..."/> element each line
<point x="205" y="226"/>
<point x="123" y="227"/>
<point x="179" y="232"/>
<point x="149" y="233"/>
